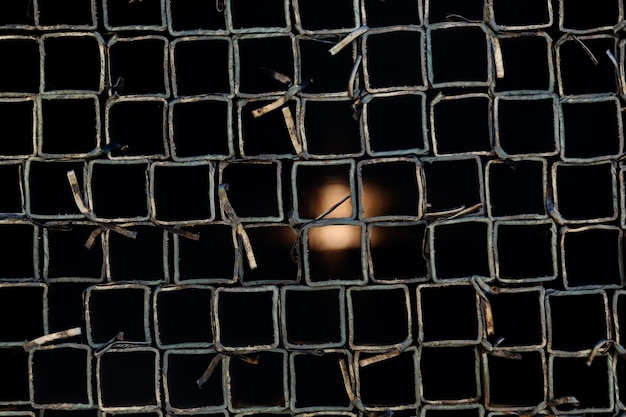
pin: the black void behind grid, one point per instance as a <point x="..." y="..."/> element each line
<point x="312" y="207"/>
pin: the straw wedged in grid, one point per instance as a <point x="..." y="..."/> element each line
<point x="592" y="257"/>
<point x="201" y="17"/>
<point x="584" y="68"/>
<point x="596" y="181"/>
<point x="68" y="126"/>
<point x="270" y="17"/>
<point x="317" y="382"/>
<point x="312" y="17"/>
<point x="379" y="317"/>
<point x="577" y="18"/>
<point x="120" y="15"/>
<point x="583" y="118"/>
<point x="182" y="316"/>
<point x="535" y="15"/>
<point x="437" y="11"/>
<point x="394" y="252"/>
<point x="374" y="14"/>
<point x="334" y="253"/>
<point x="390" y="189"/>
<point x="114" y="309"/>
<point x="128" y="380"/>
<point x="576" y="321"/>
<point x="185" y="395"/>
<point x="467" y="410"/>
<point x="29" y="302"/>
<point x="389" y="126"/>
<point x="519" y="138"/>
<point x="72" y="62"/>
<point x="312" y="318"/>
<point x="462" y="124"/>
<point x="201" y="128"/>
<point x="516" y="190"/>
<point x="23" y="76"/>
<point x="525" y="251"/>
<point x="80" y="15"/>
<point x="527" y="64"/>
<point x="460" y="249"/>
<point x="138" y="66"/>
<point x="136" y="128"/>
<point x="246" y="319"/>
<point x="258" y="383"/>
<point x="73" y="361"/>
<point x="380" y="51"/>
<point x="451" y="47"/>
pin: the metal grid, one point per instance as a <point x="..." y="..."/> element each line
<point x="297" y="207"/>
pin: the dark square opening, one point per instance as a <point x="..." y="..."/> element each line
<point x="462" y="125"/>
<point x="578" y="321"/>
<point x="20" y="74"/>
<point x="182" y="387"/>
<point x="583" y="16"/>
<point x="272" y="250"/>
<point x="72" y="63"/>
<point x="65" y="299"/>
<point x="589" y="384"/>
<point x="135" y="13"/>
<point x="525" y="251"/>
<point x="73" y="13"/>
<point x="390" y="189"/>
<point x="394" y="59"/>
<point x="139" y="258"/>
<point x="211" y="258"/>
<point x="138" y="127"/>
<point x="342" y="136"/>
<point x="516" y="383"/>
<point x="517" y="189"/>
<point x="196" y="15"/>
<point x="395" y="252"/>
<point x="14" y="377"/>
<point x="260" y="385"/>
<point x="526" y="64"/>
<point x="256" y="56"/>
<point x="70" y="126"/>
<point x="127" y="379"/>
<point x="452" y="411"/>
<point x="48" y="364"/>
<point x="255" y="131"/>
<point x="396" y="123"/>
<point x="314" y="14"/>
<point x="139" y="63"/>
<point x="49" y="189"/>
<point x="318" y="381"/>
<point x="515" y="132"/>
<point x="578" y="72"/>
<point x="585" y="191"/>
<point x="16" y="258"/>
<point x="435" y="364"/>
<point x="521" y="12"/>
<point x="439" y="10"/>
<point x="184" y="316"/>
<point x="592" y="257"/>
<point x="312" y="316"/>
<point x="461" y="250"/>
<point x="327" y="73"/>
<point x="68" y="256"/>
<point x="253" y="182"/>
<point x="379" y="326"/>
<point x="18" y="12"/>
<point x="11" y="188"/>
<point x="389" y="383"/>
<point x="591" y="129"/>
<point x="200" y="128"/>
<point x="517" y="318"/>
<point x="202" y="76"/>
<point x="380" y="14"/>
<point x="259" y="14"/>
<point x="117" y="310"/>
<point x="182" y="192"/>
<point x="246" y="318"/>
<point x="119" y="190"/>
<point x="25" y="305"/>
<point x="451" y="184"/>
<point x="459" y="55"/>
<point x="440" y="322"/>
<point x="17" y="117"/>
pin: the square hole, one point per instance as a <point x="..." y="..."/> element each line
<point x="22" y="76"/>
<point x="182" y="192"/>
<point x="462" y="124"/>
<point x="200" y="16"/>
<point x="527" y="63"/>
<point x="525" y="251"/>
<point x="119" y="190"/>
<point x="191" y="76"/>
<point x="390" y="189"/>
<point x="29" y="303"/>
<point x="579" y="320"/>
<point x="200" y="129"/>
<point x="389" y="383"/>
<point x="113" y="309"/>
<point x="461" y="249"/>
<point x="437" y="11"/>
<point x="258" y="182"/>
<point x="313" y="317"/>
<point x="183" y="394"/>
<point x="342" y="138"/>
<point x="599" y="119"/>
<point x="253" y="53"/>
<point x="48" y="193"/>
<point x="319" y="186"/>
<point x="317" y="383"/>
<point x="435" y="362"/>
<point x="326" y="73"/>
<point x="585" y="192"/>
<point x="73" y="61"/>
<point x="378" y="14"/>
<point x="140" y="63"/>
<point x="69" y="126"/>
<point x="18" y="117"/>
<point x="259" y="16"/>
<point x="182" y="317"/>
<point x="459" y="55"/>
<point x="138" y="259"/>
<point x="439" y="323"/>
<point x="70" y="360"/>
<point x="376" y="328"/>
<point x="75" y="13"/>
<point x="128" y="377"/>
<point x="456" y="410"/>
<point x="518" y="317"/>
<point x="579" y="17"/>
<point x="312" y="15"/>
<point x="135" y="128"/>
<point x="252" y="327"/>
<point x="17" y="257"/>
<point x="11" y="184"/>
<point x="515" y="383"/>
<point x="66" y="257"/>
<point x="383" y="50"/>
<point x="254" y="131"/>
<point x="518" y="137"/>
<point x="211" y="259"/>
<point x="273" y="245"/>
<point x="452" y="183"/>
<point x="516" y="190"/>
<point x="391" y="126"/>
<point x="17" y="14"/>
<point x="146" y="14"/>
<point x="521" y="14"/>
<point x="65" y="299"/>
<point x="578" y="74"/>
<point x="14" y="381"/>
<point x="592" y="256"/>
<point x="394" y="251"/>
<point x="591" y="385"/>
